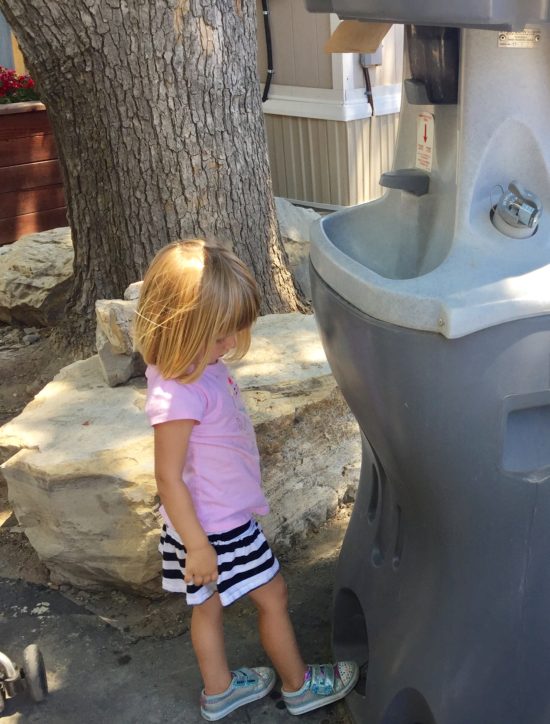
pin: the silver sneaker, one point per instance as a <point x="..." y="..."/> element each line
<point x="323" y="685"/>
<point x="246" y="685"/>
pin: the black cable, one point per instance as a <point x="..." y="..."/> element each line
<point x="368" y="88"/>
<point x="270" y="71"/>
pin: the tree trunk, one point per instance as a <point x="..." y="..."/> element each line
<point x="157" y="114"/>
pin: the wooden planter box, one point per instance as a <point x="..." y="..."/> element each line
<point x="31" y="189"/>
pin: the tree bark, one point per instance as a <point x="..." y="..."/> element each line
<point x="157" y="115"/>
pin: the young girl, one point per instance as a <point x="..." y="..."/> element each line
<point x="197" y="304"/>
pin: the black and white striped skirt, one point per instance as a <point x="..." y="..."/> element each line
<point x="245" y="562"/>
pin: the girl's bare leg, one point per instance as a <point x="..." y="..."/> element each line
<point x="208" y="643"/>
<point x="277" y="632"/>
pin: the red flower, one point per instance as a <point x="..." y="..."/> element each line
<point x="15" y="88"/>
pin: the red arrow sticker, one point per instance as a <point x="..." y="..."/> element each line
<point x="424" y="141"/>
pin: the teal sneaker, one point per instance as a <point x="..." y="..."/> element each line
<point x="323" y="685"/>
<point x="246" y="685"/>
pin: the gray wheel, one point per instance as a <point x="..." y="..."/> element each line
<point x="35" y="673"/>
<point x="1" y="700"/>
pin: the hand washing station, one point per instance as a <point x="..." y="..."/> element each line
<point x="434" y="308"/>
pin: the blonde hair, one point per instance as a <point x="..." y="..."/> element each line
<point x="193" y="293"/>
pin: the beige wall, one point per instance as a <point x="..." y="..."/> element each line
<point x="298" y="38"/>
<point x="330" y="162"/>
<point x="391" y="70"/>
<point x="18" y="60"/>
<point x="315" y="160"/>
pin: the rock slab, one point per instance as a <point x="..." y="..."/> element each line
<point x="114" y="342"/>
<point x="35" y="275"/>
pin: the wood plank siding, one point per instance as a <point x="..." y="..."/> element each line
<point x="330" y="162"/>
<point x="298" y="40"/>
<point x="13" y="228"/>
<point x="31" y="188"/>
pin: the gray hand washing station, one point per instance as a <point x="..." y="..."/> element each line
<point x="434" y="308"/>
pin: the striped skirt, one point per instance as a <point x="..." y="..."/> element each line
<point x="245" y="562"/>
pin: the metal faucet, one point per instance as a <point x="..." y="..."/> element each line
<point x="517" y="208"/>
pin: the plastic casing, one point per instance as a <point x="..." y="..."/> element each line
<point x="496" y="14"/>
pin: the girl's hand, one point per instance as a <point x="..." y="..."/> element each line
<point x="201" y="565"/>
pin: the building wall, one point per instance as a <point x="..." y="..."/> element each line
<point x="10" y="54"/>
<point x="6" y="54"/>
<point x="31" y="188"/>
<point x="391" y="70"/>
<point x="330" y="162"/>
<point x="320" y="151"/>
<point x="298" y="38"/>
<point x="18" y="60"/>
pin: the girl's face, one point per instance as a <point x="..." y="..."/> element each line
<point x="221" y="346"/>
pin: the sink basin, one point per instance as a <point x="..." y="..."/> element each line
<point x="435" y="262"/>
<point x="397" y="237"/>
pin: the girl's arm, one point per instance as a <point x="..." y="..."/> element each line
<point x="171" y="443"/>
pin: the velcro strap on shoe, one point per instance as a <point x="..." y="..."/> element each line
<point x="322" y="679"/>
<point x="244" y="677"/>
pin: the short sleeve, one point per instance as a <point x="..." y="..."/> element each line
<point x="169" y="400"/>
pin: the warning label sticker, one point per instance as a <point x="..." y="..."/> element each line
<point x="424" y="141"/>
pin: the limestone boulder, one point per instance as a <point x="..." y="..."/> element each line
<point x="133" y="291"/>
<point x="82" y="487"/>
<point x="295" y="224"/>
<point x="80" y="471"/>
<point x="35" y="276"/>
<point x="114" y="319"/>
<point x="295" y="221"/>
<point x="118" y="368"/>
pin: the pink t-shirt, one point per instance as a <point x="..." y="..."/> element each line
<point x="222" y="467"/>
